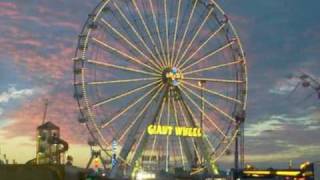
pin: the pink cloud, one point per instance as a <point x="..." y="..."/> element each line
<point x="8" y="9"/>
<point x="8" y="5"/>
<point x="47" y="17"/>
<point x="34" y="55"/>
<point x="62" y="111"/>
<point x="67" y="24"/>
<point x="53" y="65"/>
<point x="31" y="42"/>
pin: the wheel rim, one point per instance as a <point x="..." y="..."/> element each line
<point x="140" y="61"/>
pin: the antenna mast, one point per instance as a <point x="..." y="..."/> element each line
<point x="46" y="103"/>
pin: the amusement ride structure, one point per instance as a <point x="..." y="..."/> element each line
<point x="166" y="80"/>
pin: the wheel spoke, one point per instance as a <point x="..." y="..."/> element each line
<point x="124" y="94"/>
<point x="105" y="45"/>
<point x="185" y="32"/>
<point x="203" y="132"/>
<point x="208" y="141"/>
<point x="210" y="104"/>
<point x="136" y="32"/>
<point x="203" y="44"/>
<point x="158" y="33"/>
<point x="194" y="36"/>
<point x="167" y="31"/>
<point x="214" y="67"/>
<point x="197" y="106"/>
<point x="188" y="124"/>
<point x="214" y="80"/>
<point x="129" y="107"/>
<point x="144" y="24"/>
<point x="209" y="55"/>
<point x="122" y="68"/>
<point x="176" y="30"/>
<point x="212" y="92"/>
<point x="129" y="42"/>
<point x="168" y="123"/>
<point x="138" y="145"/>
<point x="159" y="123"/>
<point x="177" y="123"/>
<point x="121" y="81"/>
<point x="140" y="114"/>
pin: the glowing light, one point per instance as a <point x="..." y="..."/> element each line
<point x="304" y="165"/>
<point x="96" y="163"/>
<point x="279" y="173"/>
<point x="174" y="70"/>
<point x="174" y="130"/>
<point x="145" y="175"/>
<point x="174" y="75"/>
<point x="288" y="173"/>
<point x="257" y="172"/>
<point x="159" y="130"/>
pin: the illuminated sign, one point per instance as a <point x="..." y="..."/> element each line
<point x="174" y="130"/>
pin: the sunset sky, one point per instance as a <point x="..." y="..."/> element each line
<point x="281" y="38"/>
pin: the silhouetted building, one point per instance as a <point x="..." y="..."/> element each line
<point x="49" y="145"/>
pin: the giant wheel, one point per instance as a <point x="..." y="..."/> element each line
<point x="166" y="63"/>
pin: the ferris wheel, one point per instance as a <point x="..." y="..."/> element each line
<point x="166" y="79"/>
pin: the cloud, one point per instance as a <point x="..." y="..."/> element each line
<point x="284" y="86"/>
<point x="4" y="122"/>
<point x="13" y="94"/>
<point x="62" y="111"/>
<point x="264" y="126"/>
<point x="293" y="152"/>
<point x="8" y="9"/>
<point x="308" y="121"/>
<point x="299" y="120"/>
<point x="7" y="5"/>
<point x="279" y="138"/>
<point x="33" y="41"/>
<point x="37" y="55"/>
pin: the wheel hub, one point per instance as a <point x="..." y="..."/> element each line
<point x="172" y="76"/>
